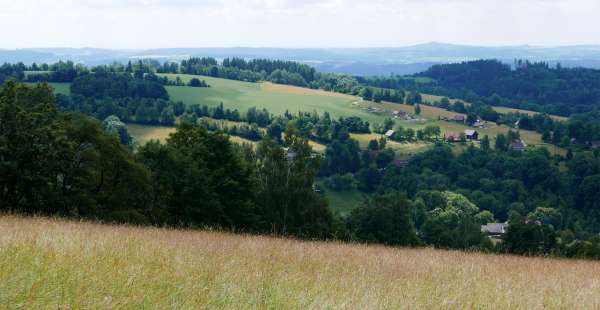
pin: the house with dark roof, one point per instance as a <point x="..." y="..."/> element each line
<point x="517" y="145"/>
<point x="471" y="135"/>
<point x="400" y="163"/>
<point x="459" y="118"/>
<point x="495" y="231"/>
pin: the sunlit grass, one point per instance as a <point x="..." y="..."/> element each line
<point x="69" y="265"/>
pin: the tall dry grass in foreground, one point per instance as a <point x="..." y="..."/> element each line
<point x="57" y="264"/>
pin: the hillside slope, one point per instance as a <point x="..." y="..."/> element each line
<point x="56" y="264"/>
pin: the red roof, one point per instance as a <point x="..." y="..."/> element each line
<point x="452" y="136"/>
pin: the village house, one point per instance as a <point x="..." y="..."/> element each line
<point x="459" y="118"/>
<point x="397" y="113"/>
<point x="471" y="135"/>
<point x="517" y="145"/>
<point x="390" y="134"/>
<point x="291" y="155"/>
<point x="401" y="163"/>
<point x="495" y="231"/>
<point x="452" y="137"/>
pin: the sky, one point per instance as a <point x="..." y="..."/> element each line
<point x="140" y="24"/>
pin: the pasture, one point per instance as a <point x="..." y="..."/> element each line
<point x="48" y="263"/>
<point x="59" y="88"/>
<point x="145" y="133"/>
<point x="275" y="98"/>
<point x="434" y="116"/>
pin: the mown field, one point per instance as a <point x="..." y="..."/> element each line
<point x="54" y="264"/>
<point x="275" y="98"/>
<point x="59" y="88"/>
<point x="502" y="110"/>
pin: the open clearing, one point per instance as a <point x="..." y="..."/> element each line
<point x="502" y="110"/>
<point x="145" y="133"/>
<point x="59" y="88"/>
<point x="72" y="265"/>
<point x="275" y="98"/>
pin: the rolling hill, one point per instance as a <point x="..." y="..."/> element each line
<point x="46" y="263"/>
<point x="275" y="98"/>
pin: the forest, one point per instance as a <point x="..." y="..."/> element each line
<point x="526" y="85"/>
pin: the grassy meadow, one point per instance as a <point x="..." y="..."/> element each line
<point x="55" y="264"/>
<point x="431" y="116"/>
<point x="59" y="88"/>
<point x="275" y="98"/>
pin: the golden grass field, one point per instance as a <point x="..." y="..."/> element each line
<point x="54" y="264"/>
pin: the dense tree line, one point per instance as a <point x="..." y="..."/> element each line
<point x="530" y="86"/>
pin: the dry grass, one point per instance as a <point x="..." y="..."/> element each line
<point x="145" y="133"/>
<point x="504" y="110"/>
<point x="289" y="89"/>
<point x="56" y="264"/>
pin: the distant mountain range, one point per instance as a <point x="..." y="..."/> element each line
<point x="355" y="61"/>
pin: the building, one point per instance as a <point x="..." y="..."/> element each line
<point x="291" y="155"/>
<point x="401" y="163"/>
<point x="452" y="137"/>
<point x="478" y="124"/>
<point x="471" y="134"/>
<point x="495" y="231"/>
<point x="517" y="145"/>
<point x="459" y="118"/>
<point x="390" y="133"/>
<point x="595" y="145"/>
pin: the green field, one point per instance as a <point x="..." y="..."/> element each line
<point x="59" y="88"/>
<point x="145" y="133"/>
<point x="343" y="202"/>
<point x="275" y="98"/>
<point x="431" y="116"/>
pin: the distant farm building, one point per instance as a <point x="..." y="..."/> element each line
<point x="390" y="134"/>
<point x="478" y="124"/>
<point x="459" y="118"/>
<point x="400" y="163"/>
<point x="517" y="145"/>
<point x="291" y="155"/>
<point x="398" y="113"/>
<point x="495" y="231"/>
<point x="452" y="137"/>
<point x="471" y="134"/>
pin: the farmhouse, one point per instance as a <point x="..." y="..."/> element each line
<point x="495" y="231"/>
<point x="459" y="118"/>
<point x="291" y="155"/>
<point x="400" y="163"/>
<point x="452" y="136"/>
<point x="517" y="145"/>
<point x="397" y="113"/>
<point x="471" y="134"/>
<point x="390" y="133"/>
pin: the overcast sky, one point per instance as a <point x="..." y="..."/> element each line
<point x="295" y="23"/>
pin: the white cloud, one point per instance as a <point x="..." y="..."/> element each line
<point x="293" y="23"/>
